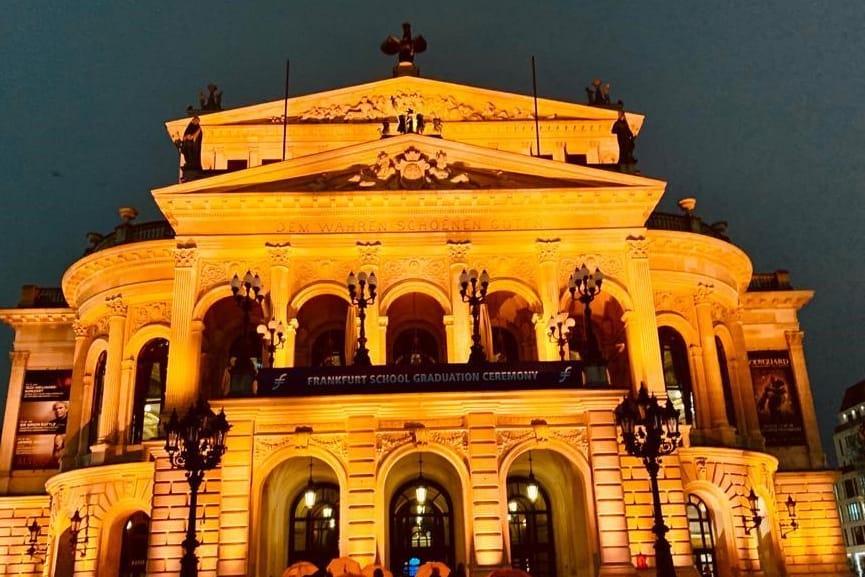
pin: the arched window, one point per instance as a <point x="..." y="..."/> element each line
<point x="677" y="374"/>
<point x="505" y="346"/>
<point x="96" y="402"/>
<point x="415" y="347"/>
<point x="314" y="531"/>
<point x="725" y="382"/>
<point x="133" y="546"/>
<point x="702" y="537"/>
<point x="149" y="390"/>
<point x="420" y="531"/>
<point x="328" y="349"/>
<point x="530" y="525"/>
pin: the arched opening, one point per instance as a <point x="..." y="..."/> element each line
<point x="321" y="334"/>
<point x="725" y="382"/>
<point x="415" y="330"/>
<point x="702" y="537"/>
<point x="677" y="373"/>
<point x="608" y="329"/>
<point x="133" y="545"/>
<point x="314" y="525"/>
<point x="422" y="526"/>
<point x="513" y="332"/>
<point x="150" y="373"/>
<point x="530" y="527"/>
<point x="65" y="552"/>
<point x="231" y="349"/>
<point x="96" y="399"/>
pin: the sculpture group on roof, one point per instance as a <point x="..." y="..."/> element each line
<point x="406" y="47"/>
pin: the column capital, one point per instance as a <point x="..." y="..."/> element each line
<point x="80" y="329"/>
<point x="19" y="356"/>
<point x="458" y="250"/>
<point x="638" y="246"/>
<point x="703" y="294"/>
<point x="116" y="306"/>
<point x="185" y="254"/>
<point x="279" y="253"/>
<point x="547" y="249"/>
<point x="794" y="338"/>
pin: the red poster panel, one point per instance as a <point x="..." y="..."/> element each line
<point x="41" y="431"/>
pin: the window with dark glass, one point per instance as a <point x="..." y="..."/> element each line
<point x="505" y="346"/>
<point x="677" y="373"/>
<point x="415" y="347"/>
<point x="314" y="531"/>
<point x="328" y="349"/>
<point x="149" y="390"/>
<point x="702" y="537"/>
<point x="725" y="382"/>
<point x="530" y="524"/>
<point x="133" y="546"/>
<point x="420" y="531"/>
<point x="96" y="401"/>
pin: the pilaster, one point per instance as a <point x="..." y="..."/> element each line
<point x="548" y="289"/>
<point x="360" y="540"/>
<point x="739" y="366"/>
<point x="376" y="334"/>
<point x="79" y="399"/>
<point x="645" y="327"/>
<point x="280" y="292"/>
<point x="10" y="416"/>
<point x="486" y="523"/>
<point x="458" y="254"/>
<point x="182" y="383"/>
<point x="806" y="398"/>
<point x="109" y="413"/>
<point x="709" y="382"/>
<point x="290" y="342"/>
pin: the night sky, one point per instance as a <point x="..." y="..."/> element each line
<point x="754" y="108"/>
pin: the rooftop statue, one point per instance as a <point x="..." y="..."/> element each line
<point x="406" y="47"/>
<point x="210" y="102"/>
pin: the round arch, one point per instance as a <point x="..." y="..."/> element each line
<point x="723" y="333"/>
<point x="611" y="286"/>
<point x="143" y="336"/>
<point x="97" y="347"/>
<point x="681" y="325"/>
<point x="447" y="468"/>
<point x="110" y="528"/>
<point x="210" y="298"/>
<point x="518" y="288"/>
<point x="285" y="462"/>
<point x="544" y="470"/>
<point x="316" y="289"/>
<point x="723" y="523"/>
<point x="406" y="287"/>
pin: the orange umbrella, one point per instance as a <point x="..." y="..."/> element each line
<point x="343" y="566"/>
<point x="426" y="569"/>
<point x="300" y="569"/>
<point x="508" y="572"/>
<point x="370" y="569"/>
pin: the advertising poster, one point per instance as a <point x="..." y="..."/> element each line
<point x="41" y="432"/>
<point x="776" y="398"/>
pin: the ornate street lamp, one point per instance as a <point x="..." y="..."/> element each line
<point x="791" y="514"/>
<point x="532" y="490"/>
<point x="195" y="443"/>
<point x="651" y="431"/>
<point x="588" y="285"/>
<point x="273" y="334"/>
<point x="559" y="326"/>
<point x="754" y="506"/>
<point x="75" y="530"/>
<point x="247" y="293"/>
<point x="361" y="292"/>
<point x="35" y="549"/>
<point x="475" y="296"/>
<point x="309" y="494"/>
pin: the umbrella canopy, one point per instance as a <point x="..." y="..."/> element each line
<point x="343" y="566"/>
<point x="369" y="570"/>
<point x="426" y="569"/>
<point x="300" y="569"/>
<point x="508" y="572"/>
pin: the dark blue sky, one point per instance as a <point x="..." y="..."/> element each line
<point x="755" y="108"/>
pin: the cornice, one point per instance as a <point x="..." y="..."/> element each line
<point x="20" y="317"/>
<point x="795" y="299"/>
<point x="724" y="254"/>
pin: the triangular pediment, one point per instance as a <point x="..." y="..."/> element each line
<point x="410" y="162"/>
<point x="386" y="99"/>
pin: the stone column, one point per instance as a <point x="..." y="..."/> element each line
<point x="462" y="332"/>
<point x="280" y="295"/>
<point x="632" y="338"/>
<point x="806" y="399"/>
<point x="711" y="385"/>
<point x="127" y="398"/>
<point x="738" y="366"/>
<point x="10" y="416"/>
<point x="702" y="412"/>
<point x="110" y="412"/>
<point x="81" y="397"/>
<point x="548" y="289"/>
<point x="182" y="385"/>
<point x="645" y="326"/>
<point x="485" y="493"/>
<point x="291" y="341"/>
<point x="359" y="542"/>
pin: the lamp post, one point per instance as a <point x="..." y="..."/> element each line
<point x="361" y="292"/>
<point x="247" y="293"/>
<point x="475" y="296"/>
<point x="560" y="325"/>
<point x="588" y="285"/>
<point x="195" y="443"/>
<point x="273" y="334"/>
<point x="651" y="431"/>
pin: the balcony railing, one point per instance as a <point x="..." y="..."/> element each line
<point x="128" y="232"/>
<point x="687" y="223"/>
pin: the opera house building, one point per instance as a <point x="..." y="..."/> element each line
<point x="443" y="296"/>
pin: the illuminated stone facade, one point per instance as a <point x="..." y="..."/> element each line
<point x="680" y="309"/>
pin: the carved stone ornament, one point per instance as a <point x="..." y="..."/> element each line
<point x="185" y="254"/>
<point x="410" y="170"/>
<point x="116" y="305"/>
<point x="506" y="439"/>
<point x="700" y="463"/>
<point x="80" y="329"/>
<point x="611" y="265"/>
<point x="638" y="246"/>
<point x="369" y="252"/>
<point x="794" y="338"/>
<point x="458" y="250"/>
<point x="548" y="249"/>
<point x="149" y="313"/>
<point x="703" y="293"/>
<point x="279" y="253"/>
<point x="388" y="441"/>
<point x="458" y="441"/>
<point x="301" y="439"/>
<point x="575" y="437"/>
<point x="431" y="269"/>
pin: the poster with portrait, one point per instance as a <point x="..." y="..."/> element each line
<point x="41" y="432"/>
<point x="777" y="399"/>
